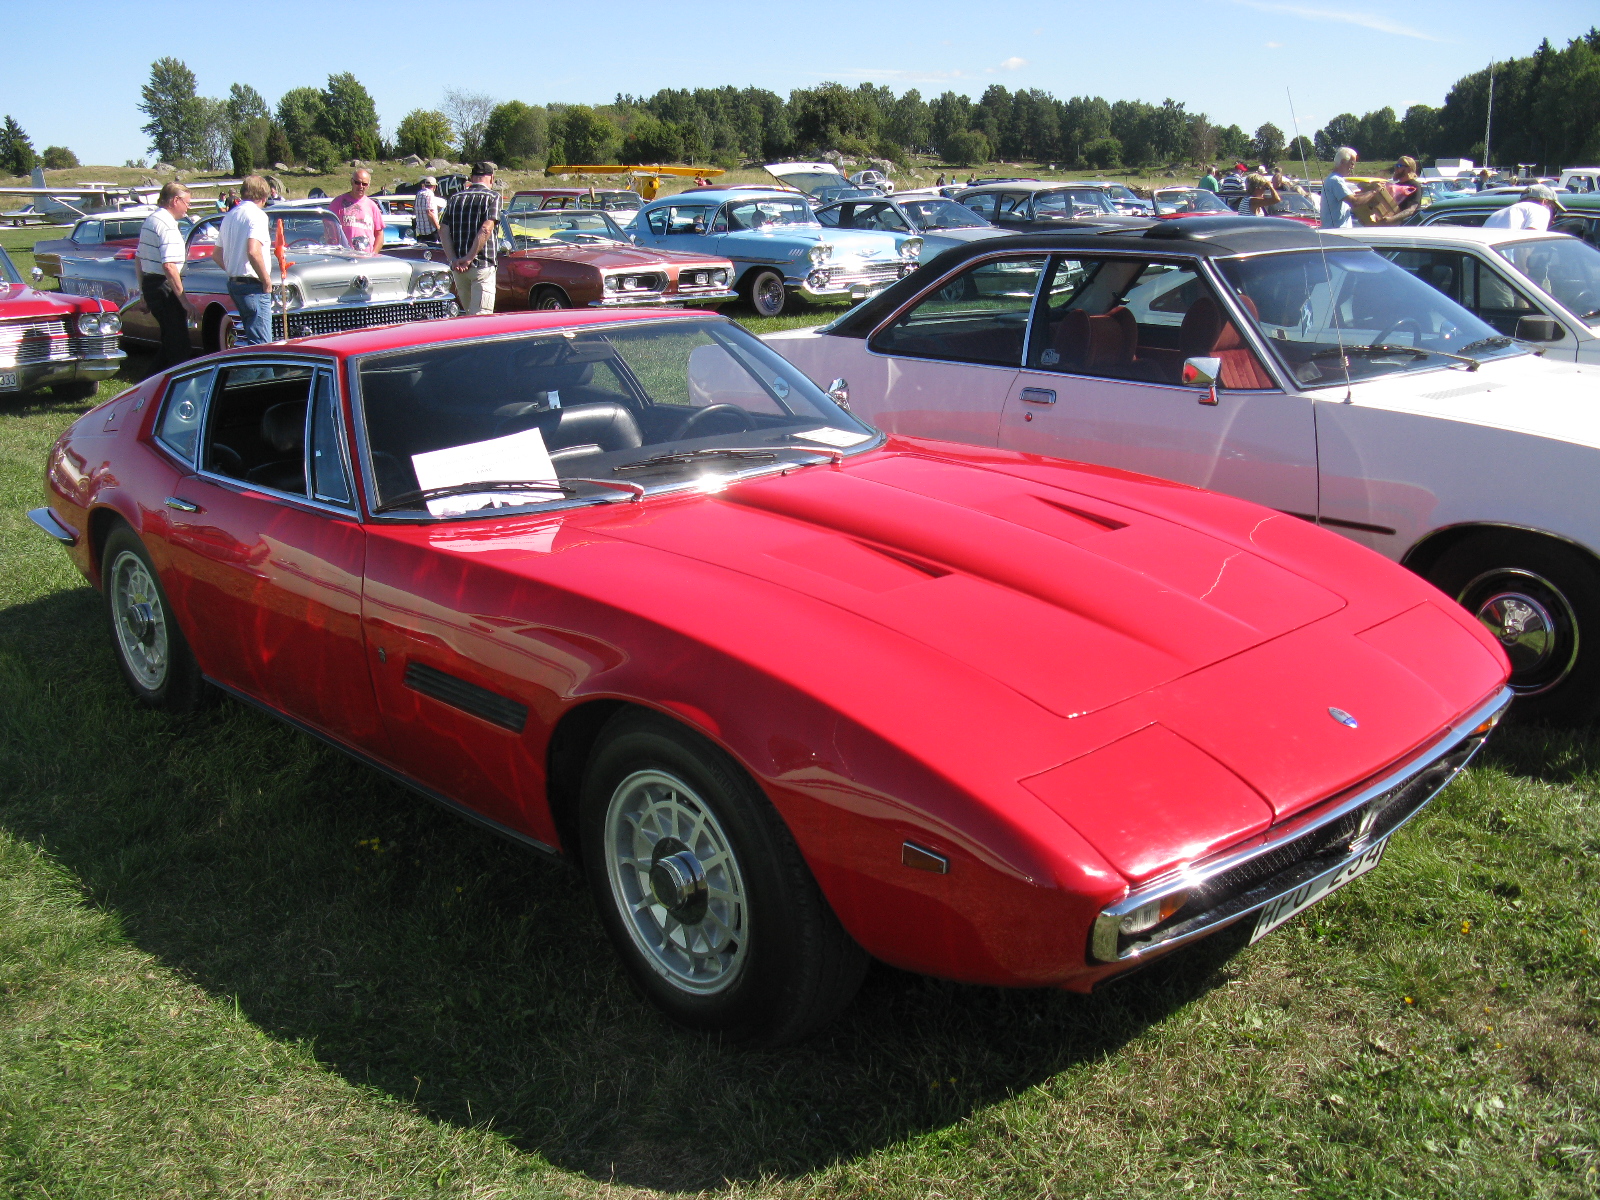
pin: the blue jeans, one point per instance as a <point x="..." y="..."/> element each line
<point x="255" y="311"/>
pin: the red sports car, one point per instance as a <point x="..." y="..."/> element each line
<point x="48" y="339"/>
<point x="628" y="588"/>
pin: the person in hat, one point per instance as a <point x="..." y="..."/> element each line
<point x="467" y="235"/>
<point x="1533" y="211"/>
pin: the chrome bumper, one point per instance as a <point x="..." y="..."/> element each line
<point x="46" y="520"/>
<point x="1237" y="883"/>
<point x="30" y="376"/>
<point x="823" y="282"/>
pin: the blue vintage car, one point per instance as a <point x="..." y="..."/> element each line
<point x="779" y="250"/>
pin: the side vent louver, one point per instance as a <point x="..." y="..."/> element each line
<point x="468" y="697"/>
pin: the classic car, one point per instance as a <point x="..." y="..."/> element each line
<point x="626" y="587"/>
<point x="778" y="248"/>
<point x="330" y="286"/>
<point x="103" y="236"/>
<point x="1125" y="198"/>
<point x="940" y="223"/>
<point x="577" y="257"/>
<point x="822" y="182"/>
<point x="1537" y="287"/>
<point x="1186" y="202"/>
<point x="1582" y="218"/>
<point x="65" y="343"/>
<point x="1033" y="205"/>
<point x="1272" y="362"/>
<point x="873" y="179"/>
<point x="616" y="201"/>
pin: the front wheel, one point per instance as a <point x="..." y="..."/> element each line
<point x="151" y="650"/>
<point x="548" y="297"/>
<point x="77" y="389"/>
<point x="704" y="894"/>
<point x="1541" y="599"/>
<point x="766" y="293"/>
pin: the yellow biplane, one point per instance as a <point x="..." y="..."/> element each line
<point x="646" y="179"/>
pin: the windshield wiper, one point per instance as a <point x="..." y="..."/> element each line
<point x="1493" y="343"/>
<point x="423" y="495"/>
<point x="1472" y="364"/>
<point x="684" y="456"/>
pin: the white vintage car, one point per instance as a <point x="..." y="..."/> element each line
<point x="1263" y="359"/>
<point x="1542" y="287"/>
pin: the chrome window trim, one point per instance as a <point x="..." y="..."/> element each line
<point x="970" y="264"/>
<point x="367" y="478"/>
<point x="340" y="440"/>
<point x="1195" y="875"/>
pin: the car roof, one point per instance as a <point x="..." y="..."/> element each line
<point x="1031" y="185"/>
<point x="1447" y="233"/>
<point x="1581" y="203"/>
<point x="416" y="334"/>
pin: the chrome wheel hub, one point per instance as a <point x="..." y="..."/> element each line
<point x="1533" y="622"/>
<point x="139" y="620"/>
<point x="676" y="882"/>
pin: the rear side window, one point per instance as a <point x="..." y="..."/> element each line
<point x="983" y="203"/>
<point x="329" y="480"/>
<point x="257" y="430"/>
<point x="179" y="427"/>
<point x="980" y="316"/>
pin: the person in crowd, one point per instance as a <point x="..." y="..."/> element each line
<point x="161" y="256"/>
<point x="241" y="252"/>
<point x="1338" y="193"/>
<point x="426" y="207"/>
<point x="939" y="182"/>
<point x="1262" y="195"/>
<point x="360" y="215"/>
<point x="467" y="236"/>
<point x="1482" y="180"/>
<point x="1281" y="183"/>
<point x="1406" y="188"/>
<point x="1533" y="211"/>
<point x="1208" y="181"/>
<point x="228" y="202"/>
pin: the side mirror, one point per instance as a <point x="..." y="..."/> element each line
<point x="505" y="245"/>
<point x="1539" y="329"/>
<point x="634" y="238"/>
<point x="1203" y="373"/>
<point x="38" y="274"/>
<point x="839" y="393"/>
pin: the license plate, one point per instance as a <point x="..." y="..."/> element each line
<point x="1307" y="894"/>
<point x="8" y="381"/>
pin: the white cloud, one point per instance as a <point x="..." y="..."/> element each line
<point x="1013" y="64"/>
<point x="1274" y="45"/>
<point x="1365" y="20"/>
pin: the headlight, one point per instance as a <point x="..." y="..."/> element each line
<point x="292" y="297"/>
<point x="720" y="278"/>
<point x="89" y="324"/>
<point x="820" y="253"/>
<point x="911" y="248"/>
<point x="613" y="283"/>
<point x="110" y="324"/>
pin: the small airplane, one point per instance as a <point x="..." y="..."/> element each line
<point x="646" y="178"/>
<point x="68" y="202"/>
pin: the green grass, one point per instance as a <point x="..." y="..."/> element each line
<point x="233" y="963"/>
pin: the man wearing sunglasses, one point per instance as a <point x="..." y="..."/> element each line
<point x="361" y="217"/>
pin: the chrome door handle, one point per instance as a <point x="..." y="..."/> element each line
<point x="1038" y="396"/>
<point x="182" y="505"/>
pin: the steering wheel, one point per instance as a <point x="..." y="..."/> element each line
<point x="301" y="243"/>
<point x="708" y="414"/>
<point x="1416" y="327"/>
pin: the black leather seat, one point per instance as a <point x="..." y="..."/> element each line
<point x="583" y="429"/>
<point x="283" y="428"/>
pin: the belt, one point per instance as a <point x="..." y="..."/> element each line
<point x="243" y="279"/>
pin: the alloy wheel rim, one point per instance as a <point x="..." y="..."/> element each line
<point x="676" y="882"/>
<point x="1533" y="621"/>
<point x="139" y="619"/>
<point x="769" y="295"/>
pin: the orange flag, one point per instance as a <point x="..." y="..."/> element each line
<point x="279" y="249"/>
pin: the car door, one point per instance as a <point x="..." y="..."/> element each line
<point x="684" y="227"/>
<point x="1103" y="384"/>
<point x="264" y="542"/>
<point x="943" y="367"/>
<point x="1481" y="286"/>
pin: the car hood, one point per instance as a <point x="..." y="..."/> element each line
<point x="19" y="301"/>
<point x="612" y="257"/>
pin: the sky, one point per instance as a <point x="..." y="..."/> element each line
<point x="77" y="82"/>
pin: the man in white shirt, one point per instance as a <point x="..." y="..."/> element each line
<point x="1338" y="193"/>
<point x="426" y="206"/>
<point x="161" y="257"/>
<point x="1533" y="211"/>
<point x="241" y="251"/>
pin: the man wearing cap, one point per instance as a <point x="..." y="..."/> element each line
<point x="1533" y="211"/>
<point x="467" y="235"/>
<point x="161" y="257"/>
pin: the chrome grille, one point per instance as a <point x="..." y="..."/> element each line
<point x="24" y="343"/>
<point x="313" y="321"/>
<point x="884" y="272"/>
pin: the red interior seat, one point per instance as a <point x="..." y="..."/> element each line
<point x="1208" y="333"/>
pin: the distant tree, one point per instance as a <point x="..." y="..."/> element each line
<point x="823" y="117"/>
<point x="245" y="104"/>
<point x="16" y="150"/>
<point x="1378" y="134"/>
<point x="1267" y="145"/>
<point x="947" y="116"/>
<point x="1202" y="139"/>
<point x="349" y="117"/>
<point x="58" y="158"/>
<point x="321" y="155"/>
<point x="469" y="114"/>
<point x="1233" y="144"/>
<point x="177" y="119"/>
<point x="424" y="132"/>
<point x="300" y="117"/>
<point x="1419" y="131"/>
<point x="516" y="135"/>
<point x="907" y="122"/>
<point x="276" y="147"/>
<point x="651" y="140"/>
<point x="583" y="136"/>
<point x="967" y="148"/>
<point x="216" y="134"/>
<point x="1301" y="150"/>
<point x="244" y="160"/>
<point x="1343" y="130"/>
<point x="1103" y="153"/>
<point x="1169" y="131"/>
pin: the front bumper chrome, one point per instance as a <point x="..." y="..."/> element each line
<point x="1231" y="885"/>
<point x="47" y="520"/>
<point x="856" y="283"/>
<point x="32" y="376"/>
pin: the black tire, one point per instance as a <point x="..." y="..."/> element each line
<point x="765" y="293"/>
<point x="78" y="389"/>
<point x="1542" y="600"/>
<point x="775" y="964"/>
<point x="958" y="289"/>
<point x="152" y="653"/>
<point x="548" y="297"/>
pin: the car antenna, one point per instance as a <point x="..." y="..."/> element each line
<point x="1333" y="301"/>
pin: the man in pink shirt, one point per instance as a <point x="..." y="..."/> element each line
<point x="362" y="218"/>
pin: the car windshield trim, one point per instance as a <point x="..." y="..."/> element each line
<point x="8" y="269"/>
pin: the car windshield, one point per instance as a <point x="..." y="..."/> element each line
<point x="769" y="210"/>
<point x="657" y="404"/>
<point x="1564" y="267"/>
<point x="306" y="229"/>
<point x="8" y="269"/>
<point x="526" y="202"/>
<point x="942" y="214"/>
<point x="813" y="183"/>
<point x="1176" y="201"/>
<point x="1121" y="191"/>
<point x="553" y="226"/>
<point x="1293" y="203"/>
<point x="1347" y="315"/>
<point x="1071" y="201"/>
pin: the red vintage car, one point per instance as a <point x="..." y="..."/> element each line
<point x="626" y="587"/>
<point x="47" y="339"/>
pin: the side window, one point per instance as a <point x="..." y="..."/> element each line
<point x="1446" y="270"/>
<point x="1498" y="302"/>
<point x="1128" y="318"/>
<point x="830" y="216"/>
<point x="90" y="233"/>
<point x="688" y="218"/>
<point x="657" y="220"/>
<point x="329" y="480"/>
<point x="257" y="429"/>
<point x="1014" y="204"/>
<point x="983" y="204"/>
<point x="185" y="408"/>
<point x="980" y="316"/>
<point x="720" y="224"/>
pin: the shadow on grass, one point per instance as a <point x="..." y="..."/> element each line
<point x="426" y="958"/>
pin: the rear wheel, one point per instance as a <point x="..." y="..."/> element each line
<point x="704" y="893"/>
<point x="1541" y="599"/>
<point x="78" y="389"/>
<point x="548" y="297"/>
<point x="151" y="650"/>
<point x="765" y="292"/>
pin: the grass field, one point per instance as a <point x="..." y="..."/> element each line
<point x="234" y="964"/>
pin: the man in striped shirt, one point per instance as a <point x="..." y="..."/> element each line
<point x="161" y="256"/>
<point x="467" y="234"/>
